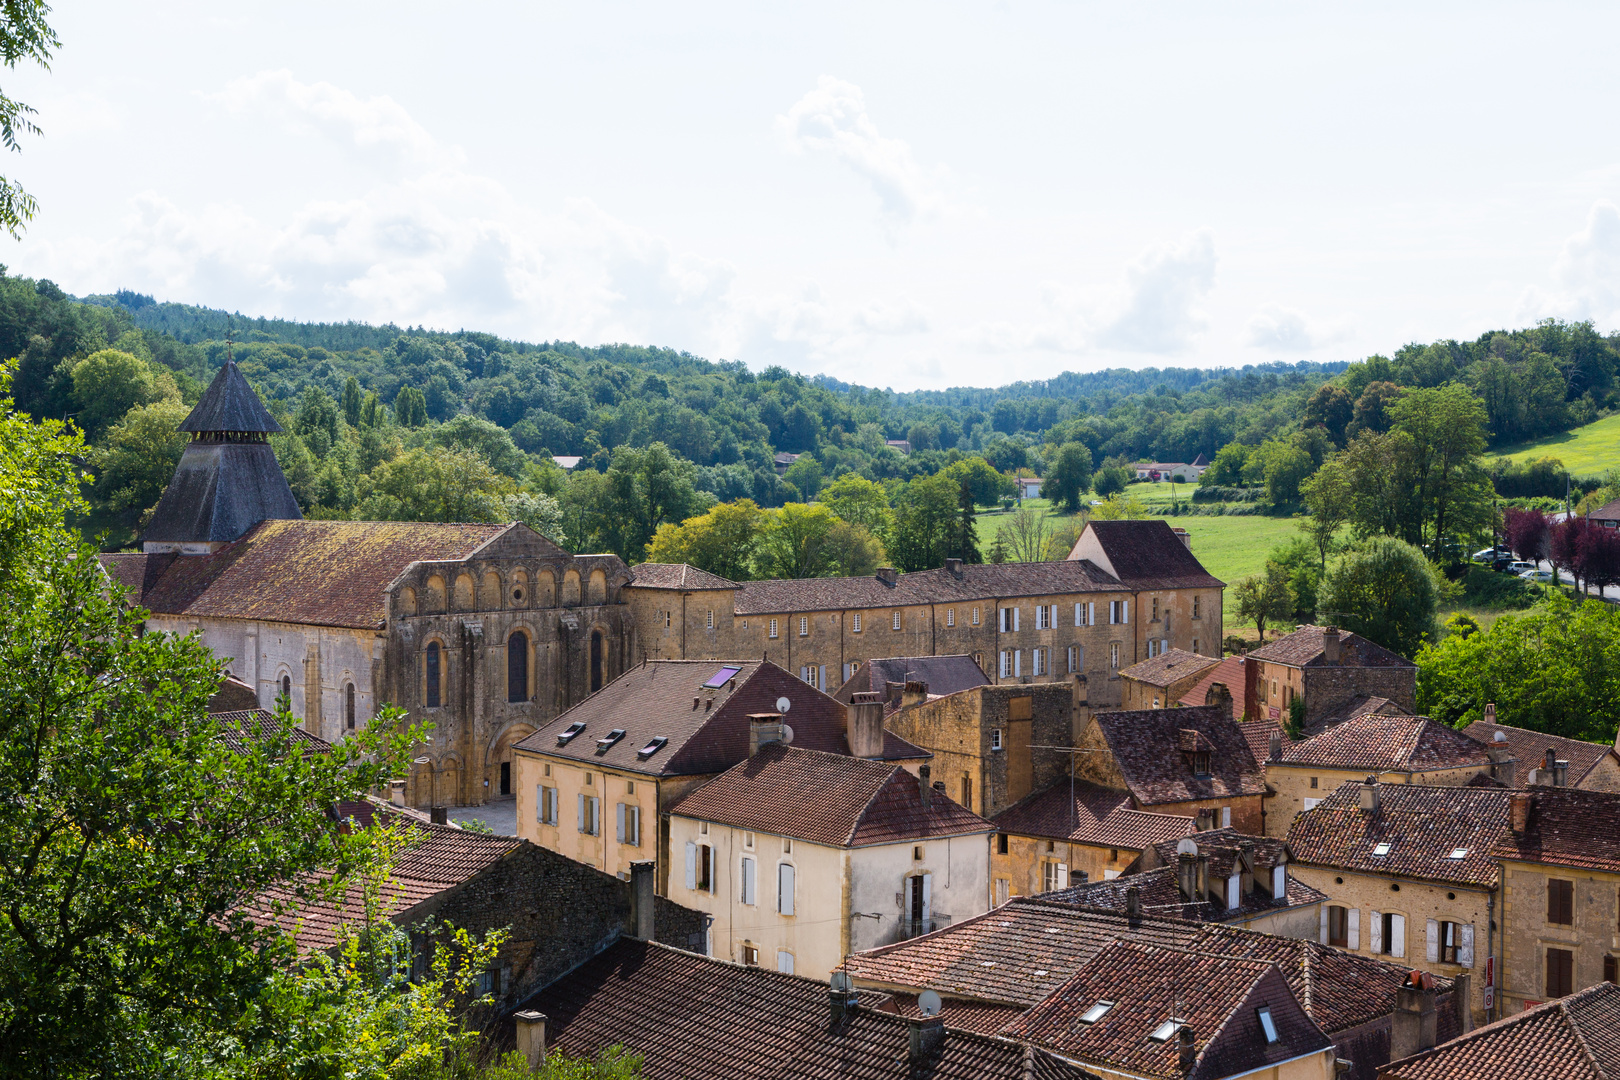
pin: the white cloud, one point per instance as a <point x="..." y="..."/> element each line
<point x="1283" y="329"/>
<point x="1586" y="273"/>
<point x="832" y="119"/>
<point x="366" y="123"/>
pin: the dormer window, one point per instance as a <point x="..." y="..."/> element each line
<point x="1200" y="762"/>
<point x="565" y="736"/>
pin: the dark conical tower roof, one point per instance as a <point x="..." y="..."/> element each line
<point x="229" y="404"/>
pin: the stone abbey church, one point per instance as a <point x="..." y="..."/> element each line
<point x="489" y="631"/>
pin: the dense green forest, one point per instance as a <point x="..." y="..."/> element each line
<point x="385" y="421"/>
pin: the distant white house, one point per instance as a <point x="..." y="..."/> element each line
<point x="1182" y="472"/>
<point x="565" y="462"/>
<point x="1029" y="487"/>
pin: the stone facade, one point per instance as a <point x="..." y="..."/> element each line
<point x="1301" y="787"/>
<point x="682" y="624"/>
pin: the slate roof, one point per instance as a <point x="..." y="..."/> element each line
<point x="219" y="491"/>
<point x="1573" y="1038"/>
<point x="988" y="581"/>
<point x="1303" y="648"/>
<point x="1090" y="815"/>
<point x="1161" y="895"/>
<point x="1229" y="672"/>
<point x="1529" y="749"/>
<point x="655" y="575"/>
<point x="942" y="674"/>
<point x="655" y="700"/>
<point x="1022" y="951"/>
<point x="322" y="573"/>
<point x="1146" y="745"/>
<point x="831" y="799"/>
<point x="1423" y="826"/>
<point x="1567" y="827"/>
<point x="1168" y="667"/>
<point x="229" y="404"/>
<point x="1218" y="997"/>
<point x="1147" y="554"/>
<point x="239" y="728"/>
<point x="1376" y="742"/>
<point x="696" y="1018"/>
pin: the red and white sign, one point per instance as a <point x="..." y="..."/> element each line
<point x="1490" y="971"/>
<point x="1490" y="997"/>
<point x="1274" y="713"/>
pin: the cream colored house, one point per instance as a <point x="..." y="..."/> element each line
<point x="802" y="857"/>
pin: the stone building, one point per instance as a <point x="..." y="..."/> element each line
<point x="800" y="857"/>
<point x="1335" y="674"/>
<point x="1161" y="681"/>
<point x="1409" y="874"/>
<point x="487" y="631"/>
<point x="1560" y="913"/>
<point x="888" y="676"/>
<point x="681" y="613"/>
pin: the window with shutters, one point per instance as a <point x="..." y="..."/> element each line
<point x="750" y="955"/>
<point x="1560" y="973"/>
<point x="1054" y="875"/>
<point x="1040" y="617"/>
<point x="545" y="799"/>
<point x="786" y="877"/>
<point x="589" y="809"/>
<point x="1038" y="661"/>
<point x="628" y="826"/>
<point x="967" y="791"/>
<point x="1560" y="902"/>
<point x="705" y="868"/>
<point x="748" y="894"/>
<point x="1074" y="659"/>
<point x="1006" y="663"/>
<point x="1392" y="935"/>
<point x="856" y="622"/>
<point x="1449" y="935"/>
<point x="773" y="628"/>
<point x="784" y="961"/>
<point x="1338" y="921"/>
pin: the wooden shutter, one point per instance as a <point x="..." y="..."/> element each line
<point x="619" y="813"/>
<point x="748" y="883"/>
<point x="1397" y="935"/>
<point x="691" y="864"/>
<point x="784" y="888"/>
<point x="1431" y="935"/>
<point x="1377" y="929"/>
<point x="1324" y="931"/>
<point x="1465" y="944"/>
<point x="582" y="813"/>
<point x="1355" y="928"/>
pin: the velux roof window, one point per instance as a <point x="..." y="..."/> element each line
<point x="1458" y="853"/>
<point x="721" y="677"/>
<point x="1164" y="1031"/>
<point x="567" y="734"/>
<point x="1381" y="849"/>
<point x="653" y="746"/>
<point x="1096" y="1012"/>
<point x="1267" y="1024"/>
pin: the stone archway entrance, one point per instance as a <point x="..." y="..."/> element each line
<point x="498" y="766"/>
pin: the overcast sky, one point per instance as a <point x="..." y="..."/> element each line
<point x="904" y="195"/>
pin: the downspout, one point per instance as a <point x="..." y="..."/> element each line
<point x="684" y="595"/>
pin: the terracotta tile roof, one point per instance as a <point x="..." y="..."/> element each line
<point x="822" y="798"/>
<point x="1218" y="997"/>
<point x="1567" y="827"/>
<point x="695" y="1018"/>
<point x="1303" y="648"/>
<point x="1147" y="554"/>
<point x="657" y="575"/>
<point x="1572" y="1038"/>
<point x="1609" y="511"/>
<point x="1170" y="666"/>
<point x="1376" y="742"/>
<point x="1229" y="673"/>
<point x="1146" y="746"/>
<point x="941" y="674"/>
<point x="136" y="571"/>
<point x="1021" y="952"/>
<point x="1423" y="827"/>
<point x="655" y="700"/>
<point x="321" y="573"/>
<point x="1257" y="733"/>
<point x="983" y="582"/>
<point x="241" y="727"/>
<point x="957" y="1013"/>
<point x="1223" y="846"/>
<point x="1090" y="815"/>
<point x="1161" y="895"/>
<point x="1529" y="749"/>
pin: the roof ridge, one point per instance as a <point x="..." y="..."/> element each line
<point x="860" y="819"/>
<point x="1580" y="1038"/>
<point x="1504" y="1023"/>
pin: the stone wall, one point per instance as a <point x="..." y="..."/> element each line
<point x="676" y="625"/>
<point x="1527" y="935"/>
<point x="1327" y="689"/>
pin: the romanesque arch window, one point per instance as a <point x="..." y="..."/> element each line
<point x="570" y="589"/>
<point x="545" y="589"/>
<point x="597" y="588"/>
<point x="407" y="601"/>
<point x="430" y="663"/>
<point x="435" y="593"/>
<point x="464" y="592"/>
<point x="491" y="598"/>
<point x="598" y="660"/>
<point x="517" y="666"/>
<point x="286" y="690"/>
<point x="348" y="706"/>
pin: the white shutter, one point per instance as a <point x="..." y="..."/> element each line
<point x="821" y="678"/>
<point x="1234" y="891"/>
<point x="582" y="812"/>
<point x="539" y="803"/>
<point x="1432" y="941"/>
<point x="784" y="961"/>
<point x="1397" y="934"/>
<point x="748" y="883"/>
<point x="1465" y="944"/>
<point x="1063" y="875"/>
<point x="691" y="864"/>
<point x="596" y="816"/>
<point x="1051" y="623"/>
<point x="1018" y="662"/>
<point x="1015" y="618"/>
<point x="1124" y="611"/>
<point x="1091" y="613"/>
<point x="1354" y="941"/>
<point x="619" y="812"/>
<point x="634" y="823"/>
<point x="1377" y="931"/>
<point x="1279" y="882"/>
<point x="1311" y="804"/>
<point x="1226" y="817"/>
<point x="784" y="888"/>
<point x="928" y="901"/>
<point x="1322" y="910"/>
<point x="1079" y="614"/>
<point x="708" y="866"/>
<point x="1001" y="619"/>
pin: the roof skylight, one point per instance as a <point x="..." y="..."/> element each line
<point x="1163" y="1032"/>
<point x="721" y="677"/>
<point x="1381" y="849"/>
<point x="1267" y="1024"/>
<point x="569" y="732"/>
<point x="1458" y="853"/>
<point x="655" y="744"/>
<point x="1096" y="1012"/>
<point x="609" y="739"/>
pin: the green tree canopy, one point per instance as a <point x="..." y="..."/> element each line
<point x="859" y="501"/>
<point x="437" y="484"/>
<point x="108" y="383"/>
<point x="1265" y="597"/>
<point x="1386" y="591"/>
<point x="138" y="458"/>
<point x="1068" y="476"/>
<point x="722" y="541"/>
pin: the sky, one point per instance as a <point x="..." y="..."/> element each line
<point x="911" y="195"/>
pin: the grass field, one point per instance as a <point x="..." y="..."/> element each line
<point x="1588" y="451"/>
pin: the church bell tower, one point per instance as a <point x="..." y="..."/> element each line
<point x="228" y="479"/>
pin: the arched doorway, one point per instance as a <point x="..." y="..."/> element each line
<point x="498" y="767"/>
<point x="598" y="660"/>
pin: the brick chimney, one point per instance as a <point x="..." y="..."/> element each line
<point x="888" y="575"/>
<point x="915" y="693"/>
<point x="1371" y="799"/>
<point x="1330" y="645"/>
<point x="1519" y="811"/>
<point x="531" y="1037"/>
<point x="642" y="877"/>
<point x="1412" y="1027"/>
<point x="924" y="785"/>
<point x="764" y="729"/>
<point x="1186" y="1049"/>
<point x="865" y="725"/>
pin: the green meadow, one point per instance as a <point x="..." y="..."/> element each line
<point x="1587" y="451"/>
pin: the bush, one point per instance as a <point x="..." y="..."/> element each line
<point x="1218" y="494"/>
<point x="1484" y="588"/>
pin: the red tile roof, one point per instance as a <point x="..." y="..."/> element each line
<point x="988" y="581"/>
<point x="1304" y="648"/>
<point x="828" y="799"/>
<point x="1567" y="827"/>
<point x="320" y="573"/>
<point x="695" y="1018"/>
<point x="955" y="1013"/>
<point x="1375" y="742"/>
<point x="1218" y="997"/>
<point x="1257" y="733"/>
<point x="1170" y="666"/>
<point x="655" y="700"/>
<point x="1423" y="827"/>
<point x="1529" y="749"/>
<point x="1229" y="673"/>
<point x="1572" y="1038"/>
<point x="654" y="575"/>
<point x="1146" y="745"/>
<point x="1089" y="814"/>
<point x="252" y="725"/>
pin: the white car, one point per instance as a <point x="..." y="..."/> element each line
<point x="1488" y="554"/>
<point x="1538" y="575"/>
<point x="1520" y="567"/>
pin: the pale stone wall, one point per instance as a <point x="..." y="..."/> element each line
<point x="603" y="850"/>
<point x="675" y="625"/>
<point x="1527" y="935"/>
<point x="1296" y="783"/>
<point x="1023" y="868"/>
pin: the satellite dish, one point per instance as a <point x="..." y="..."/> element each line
<point x="783" y="705"/>
<point x="841" y="982"/>
<point x="421" y="760"/>
<point x="928" y="1003"/>
<point x="1501" y="736"/>
<point x="1186" y="846"/>
<point x="787" y="734"/>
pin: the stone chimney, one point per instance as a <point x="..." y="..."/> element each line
<point x="1330" y="645"/>
<point x="1187" y="877"/>
<point x="1274" y="751"/>
<point x="1251" y="689"/>
<point x="1371" y="799"/>
<point x="1186" y="1049"/>
<point x="865" y="725"/>
<point x="888" y="575"/>
<point x="953" y="567"/>
<point x="1185" y="537"/>
<point x="531" y="1037"/>
<point x="893" y="691"/>
<point x="764" y="729"/>
<point x="1462" y="986"/>
<point x="927" y="1036"/>
<point x="642" y="877"/>
<point x="915" y="693"/>
<point x="1412" y="1027"/>
<point x="439" y="815"/>
<point x="1133" y="904"/>
<point x="1519" y="811"/>
<point x="1490" y="712"/>
<point x="924" y="785"/>
<point x="841" y="1002"/>
<point x="396" y="792"/>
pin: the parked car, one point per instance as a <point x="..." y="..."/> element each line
<point x="1520" y="567"/>
<point x="1543" y="576"/>
<point x="1490" y="555"/>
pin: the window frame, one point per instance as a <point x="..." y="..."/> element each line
<point x="1560" y="902"/>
